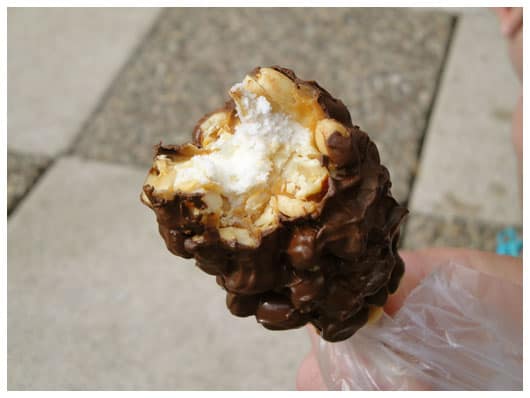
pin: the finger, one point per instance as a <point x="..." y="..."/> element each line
<point x="419" y="264"/>
<point x="512" y="22"/>
<point x="501" y="12"/>
<point x="308" y="377"/>
<point x="506" y="267"/>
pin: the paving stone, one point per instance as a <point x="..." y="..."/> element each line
<point x="95" y="301"/>
<point x="457" y="11"/>
<point x="422" y="231"/>
<point x="468" y="166"/>
<point x="382" y="62"/>
<point x="22" y="172"/>
<point x="60" y="62"/>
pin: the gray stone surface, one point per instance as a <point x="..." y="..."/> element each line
<point x="422" y="231"/>
<point x="22" y="172"/>
<point x="382" y="62"/>
<point x="95" y="301"/>
<point x="468" y="165"/>
<point x="60" y="62"/>
<point x="457" y="11"/>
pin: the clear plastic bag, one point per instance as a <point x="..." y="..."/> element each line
<point x="460" y="329"/>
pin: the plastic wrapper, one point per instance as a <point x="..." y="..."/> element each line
<point x="460" y="329"/>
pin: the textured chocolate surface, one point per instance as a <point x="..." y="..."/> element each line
<point x="330" y="270"/>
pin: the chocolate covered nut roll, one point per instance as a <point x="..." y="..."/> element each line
<point x="286" y="202"/>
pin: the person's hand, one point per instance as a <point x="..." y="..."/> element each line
<point x="420" y="264"/>
<point x="511" y="20"/>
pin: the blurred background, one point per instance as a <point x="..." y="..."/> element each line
<point x="95" y="301"/>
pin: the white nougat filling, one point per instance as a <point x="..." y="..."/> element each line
<point x="265" y="166"/>
<point x="240" y="162"/>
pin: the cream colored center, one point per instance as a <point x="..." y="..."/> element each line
<point x="267" y="166"/>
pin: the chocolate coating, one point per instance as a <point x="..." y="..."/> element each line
<point x="302" y="248"/>
<point x="328" y="271"/>
<point x="242" y="305"/>
<point x="276" y="312"/>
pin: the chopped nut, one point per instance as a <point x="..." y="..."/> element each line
<point x="325" y="128"/>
